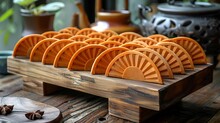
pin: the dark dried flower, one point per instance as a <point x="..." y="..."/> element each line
<point x="35" y="115"/>
<point x="6" y="109"/>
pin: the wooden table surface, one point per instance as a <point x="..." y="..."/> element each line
<point x="201" y="106"/>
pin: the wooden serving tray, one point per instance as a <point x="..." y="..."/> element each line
<point x="128" y="99"/>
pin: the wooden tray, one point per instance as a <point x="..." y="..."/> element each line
<point x="128" y="99"/>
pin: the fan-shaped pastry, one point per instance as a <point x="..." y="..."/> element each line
<point x="62" y="36"/>
<point x="158" y="37"/>
<point x="158" y="60"/>
<point x="102" y="61"/>
<point x="85" y="31"/>
<point x="140" y="43"/>
<point x="24" y="46"/>
<point x="131" y="45"/>
<point x="118" y="38"/>
<point x="73" y="30"/>
<point x="98" y="35"/>
<point x="131" y="35"/>
<point x="85" y="56"/>
<point x="110" y="44"/>
<point x="109" y="33"/>
<point x="65" y="31"/>
<point x="79" y="38"/>
<point x="53" y="49"/>
<point x="192" y="47"/>
<point x="49" y="34"/>
<point x="147" y="40"/>
<point x="172" y="59"/>
<point x="64" y="55"/>
<point x="180" y="52"/>
<point x="94" y="41"/>
<point x="39" y="49"/>
<point x="135" y="66"/>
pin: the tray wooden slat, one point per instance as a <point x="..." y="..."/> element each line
<point x="146" y="95"/>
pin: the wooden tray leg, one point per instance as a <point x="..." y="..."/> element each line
<point x="38" y="87"/>
<point x="128" y="111"/>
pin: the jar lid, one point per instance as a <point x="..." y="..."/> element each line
<point x="188" y="8"/>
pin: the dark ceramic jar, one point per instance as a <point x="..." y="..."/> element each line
<point x="37" y="24"/>
<point x="198" y="20"/>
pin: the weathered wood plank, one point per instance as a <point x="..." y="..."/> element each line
<point x="38" y="87"/>
<point x="130" y="112"/>
<point x="216" y="118"/>
<point x="81" y="110"/>
<point x="10" y="84"/>
<point x="96" y="116"/>
<point x="198" y="107"/>
<point x="179" y="90"/>
<point x="30" y="95"/>
<point x="183" y="112"/>
<point x="124" y="110"/>
<point x="201" y="106"/>
<point x="83" y="81"/>
<point x="143" y="94"/>
<point x="113" y="119"/>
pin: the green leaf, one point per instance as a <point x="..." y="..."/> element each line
<point x="1" y="31"/>
<point x="6" y="37"/>
<point x="52" y="7"/>
<point x="24" y="3"/>
<point x="11" y="28"/>
<point x="32" y="6"/>
<point x="6" y="15"/>
<point x="37" y="10"/>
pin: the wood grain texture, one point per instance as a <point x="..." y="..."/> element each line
<point x="127" y="111"/>
<point x="146" y="95"/>
<point x="38" y="87"/>
<point x="216" y="118"/>
<point x="9" y="81"/>
<point x="24" y="105"/>
<point x="202" y="106"/>
<point x="193" y="83"/>
<point x="34" y="86"/>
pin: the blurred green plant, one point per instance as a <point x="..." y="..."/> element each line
<point x="28" y="7"/>
<point x="6" y="15"/>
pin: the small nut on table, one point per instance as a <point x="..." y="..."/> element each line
<point x="6" y="109"/>
<point x="35" y="115"/>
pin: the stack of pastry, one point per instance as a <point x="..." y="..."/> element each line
<point x="127" y="55"/>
